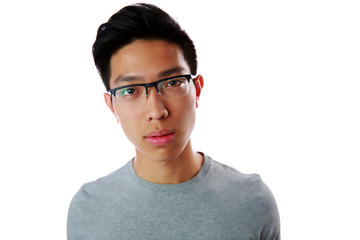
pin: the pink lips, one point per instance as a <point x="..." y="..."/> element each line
<point x="162" y="137"/>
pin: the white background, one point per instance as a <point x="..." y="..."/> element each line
<point x="281" y="98"/>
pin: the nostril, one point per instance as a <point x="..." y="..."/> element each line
<point x="153" y="115"/>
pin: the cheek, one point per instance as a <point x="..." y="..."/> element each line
<point x="186" y="113"/>
<point x="128" y="121"/>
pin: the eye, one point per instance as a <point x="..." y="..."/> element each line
<point x="123" y="92"/>
<point x="174" y="83"/>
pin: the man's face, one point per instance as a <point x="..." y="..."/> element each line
<point x="159" y="128"/>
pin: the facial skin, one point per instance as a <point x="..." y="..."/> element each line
<point x="145" y="61"/>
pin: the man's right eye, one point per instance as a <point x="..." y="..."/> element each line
<point x="126" y="92"/>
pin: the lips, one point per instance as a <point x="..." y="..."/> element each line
<point x="162" y="137"/>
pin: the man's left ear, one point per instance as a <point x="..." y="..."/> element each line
<point x="199" y="84"/>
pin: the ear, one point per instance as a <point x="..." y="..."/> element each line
<point x="109" y="103"/>
<point x="199" y="84"/>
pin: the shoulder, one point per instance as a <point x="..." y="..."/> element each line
<point x="240" y="185"/>
<point x="250" y="193"/>
<point x="104" y="186"/>
<point x="93" y="198"/>
<point x="228" y="175"/>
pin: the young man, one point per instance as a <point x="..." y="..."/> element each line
<point x="167" y="191"/>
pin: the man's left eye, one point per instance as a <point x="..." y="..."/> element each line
<point x="173" y="83"/>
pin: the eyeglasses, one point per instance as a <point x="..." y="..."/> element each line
<point x="168" y="88"/>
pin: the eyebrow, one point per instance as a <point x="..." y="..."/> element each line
<point x="129" y="78"/>
<point x="162" y="74"/>
<point x="171" y="71"/>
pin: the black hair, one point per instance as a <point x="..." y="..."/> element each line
<point x="134" y="22"/>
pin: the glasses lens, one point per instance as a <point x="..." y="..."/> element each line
<point x="174" y="87"/>
<point x="130" y="95"/>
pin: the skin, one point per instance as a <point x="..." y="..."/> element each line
<point x="145" y="61"/>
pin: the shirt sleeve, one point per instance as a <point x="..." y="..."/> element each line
<point x="269" y="218"/>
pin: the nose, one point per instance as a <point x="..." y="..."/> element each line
<point x="154" y="106"/>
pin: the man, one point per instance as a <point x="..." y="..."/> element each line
<point x="167" y="191"/>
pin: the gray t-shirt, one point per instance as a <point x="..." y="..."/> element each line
<point x="218" y="203"/>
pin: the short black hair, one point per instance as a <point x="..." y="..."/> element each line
<point x="134" y="22"/>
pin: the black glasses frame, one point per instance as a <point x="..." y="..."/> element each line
<point x="152" y="84"/>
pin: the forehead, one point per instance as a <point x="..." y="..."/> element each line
<point x="146" y="59"/>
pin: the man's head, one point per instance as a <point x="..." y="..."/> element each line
<point x="139" y="22"/>
<point x="147" y="61"/>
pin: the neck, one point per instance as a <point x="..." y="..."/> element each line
<point x="169" y="170"/>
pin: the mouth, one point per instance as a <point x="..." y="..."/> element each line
<point x="158" y="138"/>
